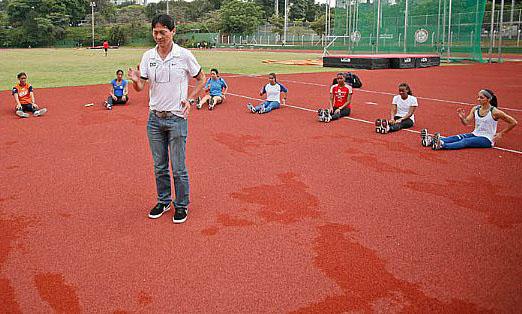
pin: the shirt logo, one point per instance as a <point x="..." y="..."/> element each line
<point x="152" y="64"/>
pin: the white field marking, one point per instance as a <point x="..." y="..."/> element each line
<point x="360" y="120"/>
<point x="371" y="103"/>
<point x="419" y="97"/>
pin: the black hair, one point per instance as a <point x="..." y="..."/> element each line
<point x="215" y="70"/>
<point x="274" y="75"/>
<point x="165" y="20"/>
<point x="493" y="101"/>
<point x="21" y="74"/>
<point x="119" y="72"/>
<point x="405" y="85"/>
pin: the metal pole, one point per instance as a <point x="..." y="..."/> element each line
<point x="93" y="4"/>
<point x="500" y="30"/>
<point x="491" y="30"/>
<point x="438" y="24"/>
<point x="449" y="30"/>
<point x="512" y="16"/>
<point x="405" y="25"/>
<point x="276" y="7"/>
<point x="378" y="25"/>
<point x="167" y="7"/>
<point x="326" y="19"/>
<point x="286" y="22"/>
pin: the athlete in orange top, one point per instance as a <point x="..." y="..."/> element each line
<point x="24" y="98"/>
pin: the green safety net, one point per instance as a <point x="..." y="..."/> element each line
<point x="451" y="29"/>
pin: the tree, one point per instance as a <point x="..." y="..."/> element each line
<point x="319" y="25"/>
<point x="238" y="17"/>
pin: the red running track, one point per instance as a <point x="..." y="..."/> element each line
<point x="287" y="214"/>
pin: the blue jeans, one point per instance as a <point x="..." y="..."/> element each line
<point x="168" y="137"/>
<point x="467" y="140"/>
<point x="268" y="106"/>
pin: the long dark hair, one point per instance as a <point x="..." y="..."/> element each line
<point x="408" y="88"/>
<point x="493" y="101"/>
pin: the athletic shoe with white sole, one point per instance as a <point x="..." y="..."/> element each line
<point x="378" y="125"/>
<point x="211" y="103"/>
<point x="385" y="126"/>
<point x="22" y="114"/>
<point x="251" y="108"/>
<point x="180" y="215"/>
<point x="198" y="103"/>
<point x="426" y="138"/>
<point x="158" y="210"/>
<point x="327" y="116"/>
<point x="40" y="112"/>
<point x="436" y="142"/>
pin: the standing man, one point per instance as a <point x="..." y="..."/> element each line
<point x="168" y="68"/>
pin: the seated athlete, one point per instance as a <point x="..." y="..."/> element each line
<point x="216" y="89"/>
<point x="485" y="116"/>
<point x="340" y="101"/>
<point x="275" y="96"/>
<point x="119" y="91"/>
<point x="23" y="94"/>
<point x="403" y="107"/>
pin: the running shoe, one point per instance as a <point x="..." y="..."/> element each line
<point x="327" y="116"/>
<point x="40" y="112"/>
<point x="436" y="142"/>
<point x="159" y="210"/>
<point x="385" y="127"/>
<point x="22" y="114"/>
<point x="426" y="138"/>
<point x="180" y="215"/>
<point x="251" y="108"/>
<point x="378" y="125"/>
<point x="211" y="103"/>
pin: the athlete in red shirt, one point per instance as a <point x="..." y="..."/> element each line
<point x="340" y="101"/>
<point x="24" y="98"/>
<point x="105" y="47"/>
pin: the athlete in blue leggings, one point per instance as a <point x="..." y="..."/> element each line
<point x="485" y="115"/>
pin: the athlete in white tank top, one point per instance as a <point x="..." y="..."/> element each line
<point x="485" y="126"/>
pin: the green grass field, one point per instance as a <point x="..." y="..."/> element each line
<point x="74" y="67"/>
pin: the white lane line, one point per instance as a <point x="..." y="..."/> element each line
<point x="392" y="94"/>
<point x="360" y="120"/>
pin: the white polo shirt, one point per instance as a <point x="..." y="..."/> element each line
<point x="168" y="78"/>
<point x="403" y="105"/>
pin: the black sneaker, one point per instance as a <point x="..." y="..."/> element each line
<point x="180" y="215"/>
<point x="158" y="210"/>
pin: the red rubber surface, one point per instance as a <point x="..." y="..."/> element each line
<point x="287" y="214"/>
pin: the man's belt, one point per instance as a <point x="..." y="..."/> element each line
<point x="163" y="114"/>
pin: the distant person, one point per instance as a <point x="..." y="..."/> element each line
<point x="402" y="109"/>
<point x="119" y="93"/>
<point x="23" y="94"/>
<point x="106" y="47"/>
<point x="340" y="101"/>
<point x="216" y="89"/>
<point x="485" y="116"/>
<point x="168" y="68"/>
<point x="276" y="94"/>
